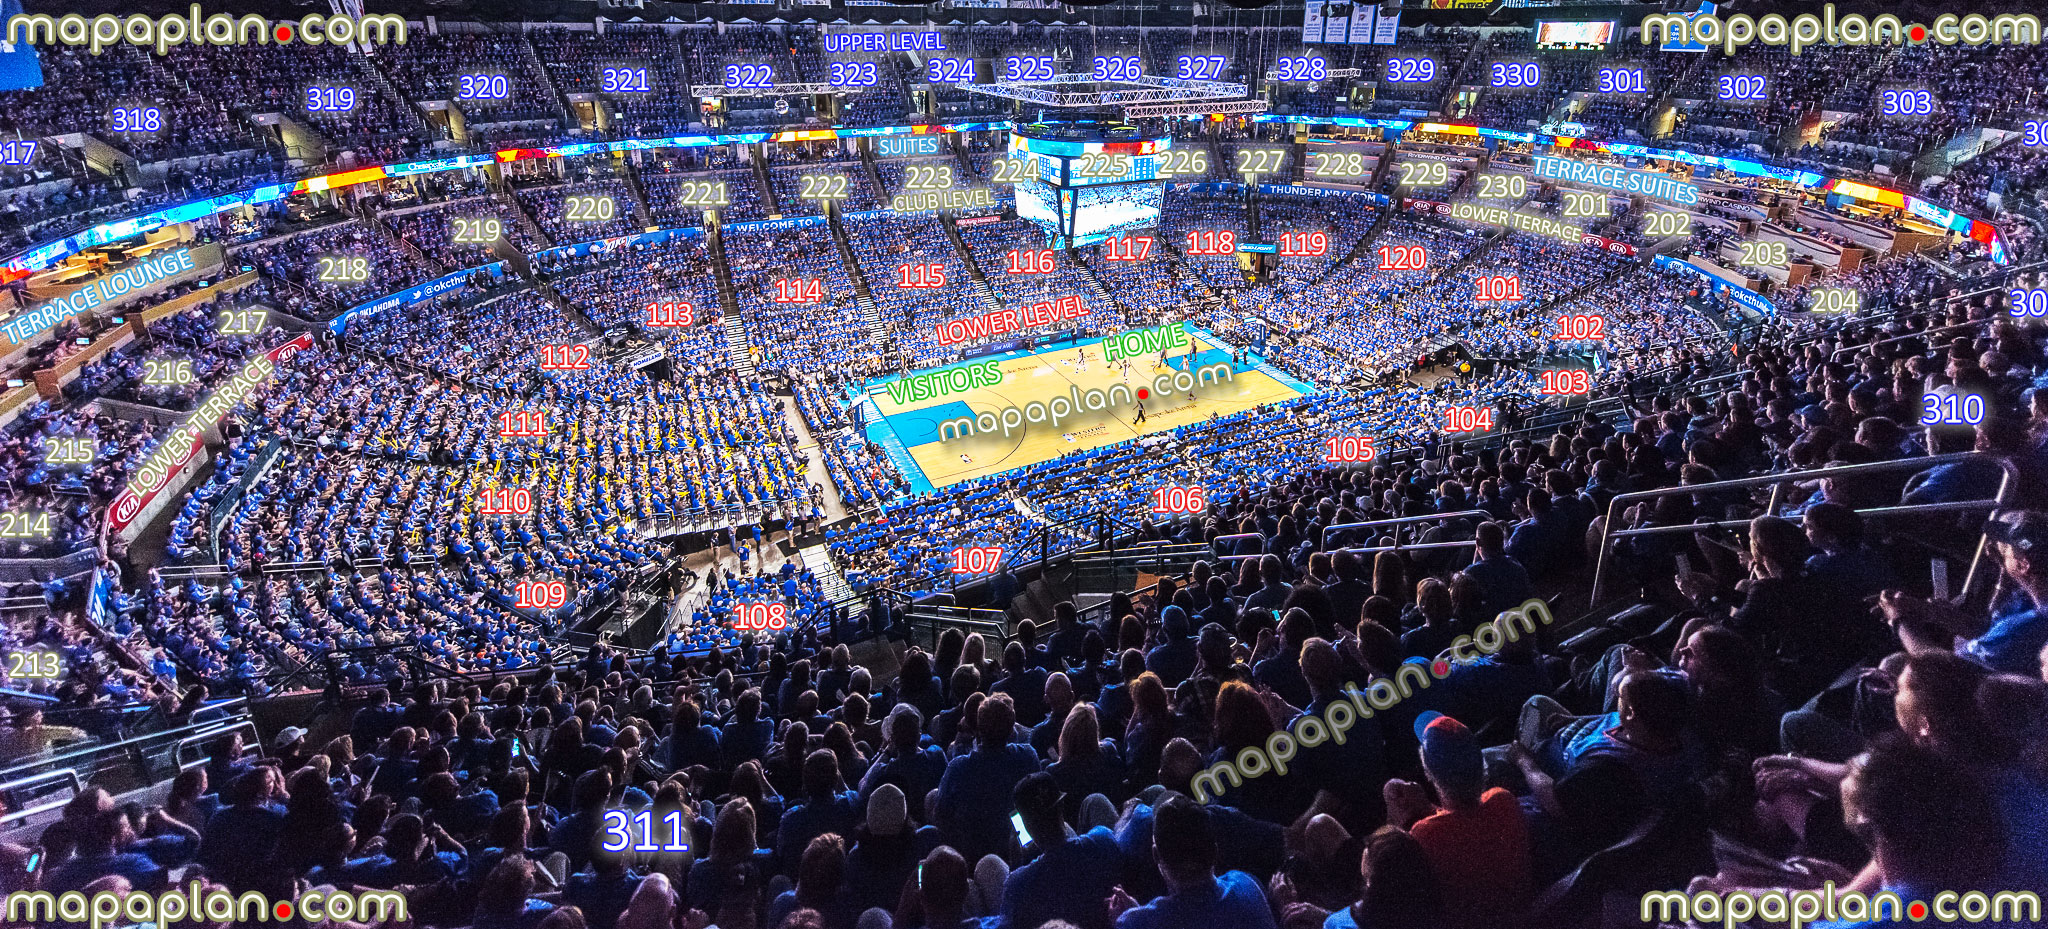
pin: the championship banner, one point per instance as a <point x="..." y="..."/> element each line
<point x="183" y="443"/>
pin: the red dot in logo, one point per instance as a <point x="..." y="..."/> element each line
<point x="1440" y="668"/>
<point x="1917" y="33"/>
<point x="284" y="34"/>
<point x="1143" y="393"/>
<point x="1916" y="910"/>
<point x="284" y="910"/>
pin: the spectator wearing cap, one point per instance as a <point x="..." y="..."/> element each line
<point x="2012" y="637"/>
<point x="1068" y="876"/>
<point x="1478" y="840"/>
<point x="884" y="853"/>
<point x="289" y="745"/>
<point x="1184" y="846"/>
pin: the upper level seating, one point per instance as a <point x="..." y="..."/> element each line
<point x="81" y="91"/>
<point x="576" y="61"/>
<point x="430" y="67"/>
<point x="275" y="79"/>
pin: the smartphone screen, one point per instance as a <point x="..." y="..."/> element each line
<point x="1023" y="834"/>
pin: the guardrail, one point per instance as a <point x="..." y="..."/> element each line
<point x="1924" y="333"/>
<point x="989" y="623"/>
<point x="150" y="754"/>
<point x="1396" y="523"/>
<point x="60" y="774"/>
<point x="1777" y="482"/>
<point x="253" y="743"/>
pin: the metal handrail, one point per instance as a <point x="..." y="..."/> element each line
<point x="2006" y="484"/>
<point x="83" y="750"/>
<point x="1611" y="400"/>
<point x="1846" y="349"/>
<point x="1212" y="543"/>
<point x="1398" y="521"/>
<point x="59" y="774"/>
<point x="255" y="741"/>
<point x="1411" y="547"/>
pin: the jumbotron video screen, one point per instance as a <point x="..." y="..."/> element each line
<point x="836" y="464"/>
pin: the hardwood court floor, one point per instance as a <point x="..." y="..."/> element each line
<point x="910" y="431"/>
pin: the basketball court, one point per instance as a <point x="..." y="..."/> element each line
<point x="935" y="443"/>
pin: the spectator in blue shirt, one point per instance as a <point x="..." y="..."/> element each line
<point x="1070" y="876"/>
<point x="690" y="742"/>
<point x="825" y="807"/>
<point x="104" y="835"/>
<point x="1929" y="823"/>
<point x="1503" y="583"/>
<point x="746" y="738"/>
<point x="239" y="846"/>
<point x="974" y="796"/>
<point x="1184" y="845"/>
<point x="2010" y="641"/>
<point x="914" y="767"/>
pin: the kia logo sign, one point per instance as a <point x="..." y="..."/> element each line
<point x="124" y="510"/>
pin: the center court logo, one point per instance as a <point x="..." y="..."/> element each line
<point x="162" y="32"/>
<point x="1093" y="400"/>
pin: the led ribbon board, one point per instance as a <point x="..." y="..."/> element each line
<point x="1815" y="182"/>
<point x="1614" y="177"/>
<point x="49" y="253"/>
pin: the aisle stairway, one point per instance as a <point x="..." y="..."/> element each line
<point x="982" y="289"/>
<point x="870" y="311"/>
<point x="737" y="347"/>
<point x="818" y="560"/>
